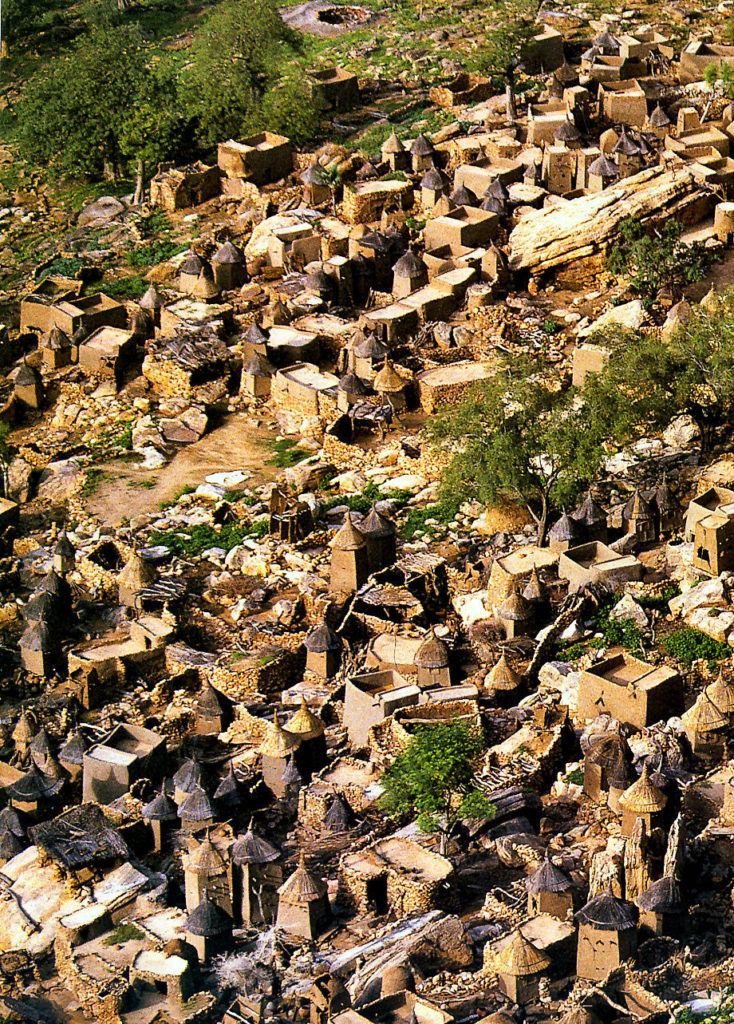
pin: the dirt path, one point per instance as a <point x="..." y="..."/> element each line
<point x="125" y="491"/>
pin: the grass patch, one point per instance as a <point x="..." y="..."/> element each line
<point x="188" y="489"/>
<point x="64" y="266"/>
<point x="619" y="633"/>
<point x="688" y="645"/>
<point x="112" y="442"/>
<point x="149" y="254"/>
<point x="285" y="453"/>
<point x="191" y="542"/>
<point x="124" y="287"/>
<point x="144" y="485"/>
<point x="92" y="481"/>
<point x="659" y="602"/>
<point x="576" y="777"/>
<point x="123" y="933"/>
<point x="443" y="512"/>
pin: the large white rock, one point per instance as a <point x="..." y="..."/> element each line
<point x="709" y="594"/>
<point x="472" y="607"/>
<point x="680" y="432"/>
<point x="629" y="316"/>
<point x="628" y="608"/>
<point x="715" y="622"/>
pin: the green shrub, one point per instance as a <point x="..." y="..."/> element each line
<point x="688" y="645"/>
<point x="193" y="540"/>
<point x="285" y="452"/>
<point x="443" y="512"/>
<point x="624" y="633"/>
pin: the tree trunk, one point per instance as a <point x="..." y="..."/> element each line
<point x="511" y="106"/>
<point x="139" y="182"/>
<point x="442" y="843"/>
<point x="543" y="522"/>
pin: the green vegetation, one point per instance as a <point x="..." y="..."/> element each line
<point x="576" y="777"/>
<point x="123" y="933"/>
<point x="649" y="381"/>
<point x="655" y="258"/>
<point x="188" y="489"/>
<point x="236" y="83"/>
<point x="285" y="452"/>
<point x="443" y="512"/>
<point x="688" y="645"/>
<point x="112" y="442"/>
<point x="192" y="541"/>
<point x="432" y="779"/>
<point x="505" y="44"/>
<point x="659" y="602"/>
<point x="513" y="438"/>
<point x="92" y="480"/>
<point x="619" y="633"/>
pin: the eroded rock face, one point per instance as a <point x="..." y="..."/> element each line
<point x="59" y="479"/>
<point x="101" y="211"/>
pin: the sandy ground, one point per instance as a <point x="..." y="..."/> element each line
<point x="125" y="490"/>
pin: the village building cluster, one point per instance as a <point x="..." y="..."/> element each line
<point x="193" y="738"/>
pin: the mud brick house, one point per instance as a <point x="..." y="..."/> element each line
<point x="106" y="351"/>
<point x="70" y="314"/>
<point x="335" y="88"/>
<point x="174" y="366"/>
<point x="630" y="691"/>
<point x="302" y="391"/>
<point x="713" y="541"/>
<point x="261" y="159"/>
<point x="703" y="505"/>
<point x="594" y="562"/>
<point x="370" y="697"/>
<point x="365" y="202"/>
<point x="128" y="753"/>
<point x="183" y="187"/>
<point x="395" y="873"/>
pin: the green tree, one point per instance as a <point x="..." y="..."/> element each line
<point x="239" y="57"/>
<point x="432" y="779"/>
<point x="506" y="43"/>
<point x="22" y="18"/>
<point x="105" y="104"/>
<point x="513" y="437"/>
<point x="648" y="381"/>
<point x="655" y="258"/>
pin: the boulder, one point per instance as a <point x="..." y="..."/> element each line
<point x="59" y="479"/>
<point x="19" y="479"/>
<point x="629" y="316"/>
<point x="101" y="211"/>
<point x="472" y="607"/>
<point x="680" y="432"/>
<point x="714" y="622"/>
<point x="628" y="608"/>
<point x="709" y="594"/>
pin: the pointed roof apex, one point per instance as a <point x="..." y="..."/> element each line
<point x="503" y="678"/>
<point x="348" y="538"/>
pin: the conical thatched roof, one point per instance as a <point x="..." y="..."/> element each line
<point x="534" y="590"/>
<point x="663" y="896"/>
<point x="303" y="886"/>
<point x="520" y="958"/>
<point x="137" y="574"/>
<point x="590" y="512"/>
<point x="643" y="797"/>
<point x="638" y="508"/>
<point x="10" y="821"/>
<point x="503" y="677"/>
<point x="704" y="716"/>
<point x="348" y="538"/>
<point x="206" y="860"/>
<point x="305" y="724"/>
<point x="393" y="145"/>
<point x="160" y="808"/>
<point x="409" y="265"/>
<point x="322" y="638"/>
<point x="151" y="300"/>
<point x="57" y="340"/>
<point x="606" y="913"/>
<point x="188" y="776"/>
<point x="252" y="849"/>
<point x="227" y="792"/>
<point x="24" y="730"/>
<point x="279" y="742"/>
<point x="658" y="118"/>
<point x="196" y="807"/>
<point x="388" y="380"/>
<point x="228" y="253"/>
<point x="432" y="653"/>
<point x="10" y="845"/>
<point x="548" y="878"/>
<point x="721" y="694"/>
<point x="376" y="525"/>
<point x="208" y="919"/>
<point x="565" y="530"/>
<point x="339" y="816"/>
<point x="421" y="146"/>
<point x="72" y="752"/>
<point x="515" y="608"/>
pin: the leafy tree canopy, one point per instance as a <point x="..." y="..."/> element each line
<point x="648" y="380"/>
<point x="655" y="258"/>
<point x="513" y="437"/>
<point x="432" y="778"/>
